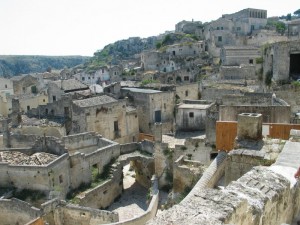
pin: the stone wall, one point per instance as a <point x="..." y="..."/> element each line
<point x="261" y="196"/>
<point x="277" y="59"/>
<point x="59" y="212"/>
<point x="194" y="149"/>
<point x="291" y="96"/>
<point x="58" y="131"/>
<point x="186" y="173"/>
<point x="103" y="195"/>
<point x="239" y="162"/>
<point x="213" y="94"/>
<point x="237" y="72"/>
<point x="129" y="148"/>
<point x="256" y="99"/>
<point x="187" y="91"/>
<point x="271" y="114"/>
<point x="15" y="211"/>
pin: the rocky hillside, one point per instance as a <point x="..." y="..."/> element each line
<point x="127" y="49"/>
<point x="15" y="65"/>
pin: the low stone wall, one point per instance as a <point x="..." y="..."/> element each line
<point x="15" y="211"/>
<point x="71" y="214"/>
<point x="59" y="212"/>
<point x="103" y="195"/>
<point x="129" y="148"/>
<point x="147" y="146"/>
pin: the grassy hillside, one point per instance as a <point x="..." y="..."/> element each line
<point x="16" y="65"/>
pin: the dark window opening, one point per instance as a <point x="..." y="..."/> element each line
<point x="174" y="53"/>
<point x="82" y="78"/>
<point x="28" y="107"/>
<point x="157" y="115"/>
<point x="213" y="155"/>
<point x="5" y="85"/>
<point x="191" y="114"/>
<point x="186" y="78"/>
<point x="295" y="66"/>
<point x="60" y="179"/>
<point x="116" y="126"/>
<point x="250" y="61"/>
<point x="219" y="38"/>
<point x="54" y="98"/>
<point x="186" y="93"/>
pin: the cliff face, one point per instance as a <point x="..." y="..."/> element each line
<point x="16" y="65"/>
<point x="123" y="49"/>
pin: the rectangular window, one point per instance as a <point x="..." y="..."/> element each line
<point x="157" y="115"/>
<point x="28" y="107"/>
<point x="54" y="98"/>
<point x="82" y="78"/>
<point x="116" y="126"/>
<point x="60" y="179"/>
<point x="219" y="38"/>
<point x="186" y="78"/>
<point x="250" y="61"/>
<point x="191" y="114"/>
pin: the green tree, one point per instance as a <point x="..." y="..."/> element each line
<point x="280" y="27"/>
<point x="289" y="17"/>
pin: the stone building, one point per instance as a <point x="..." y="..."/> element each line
<point x="191" y="115"/>
<point x="6" y="87"/>
<point x="247" y="20"/>
<point x="186" y="49"/>
<point x="25" y="84"/>
<point x="238" y="55"/>
<point x="97" y="77"/>
<point x="293" y="29"/>
<point x="152" y="107"/>
<point x="281" y="61"/>
<point x="107" y="116"/>
<point x="60" y="87"/>
<point x="189" y="27"/>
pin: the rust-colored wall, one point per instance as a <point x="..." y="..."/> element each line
<point x="143" y="136"/>
<point x="37" y="221"/>
<point x="282" y="131"/>
<point x="225" y="134"/>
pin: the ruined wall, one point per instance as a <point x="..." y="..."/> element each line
<point x="15" y="211"/>
<point x="32" y="101"/>
<point x="212" y="94"/>
<point x="129" y="148"/>
<point x="42" y="130"/>
<point x="186" y="173"/>
<point x="186" y="122"/>
<point x="188" y="91"/>
<point x="71" y="214"/>
<point x="256" y="99"/>
<point x="271" y="114"/>
<point x="103" y="195"/>
<point x="237" y="72"/>
<point x="194" y="149"/>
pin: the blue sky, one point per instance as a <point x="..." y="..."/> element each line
<point x="80" y="27"/>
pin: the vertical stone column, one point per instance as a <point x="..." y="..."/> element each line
<point x="6" y="132"/>
<point x="249" y="126"/>
<point x="157" y="132"/>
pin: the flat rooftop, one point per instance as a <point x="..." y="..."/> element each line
<point x="19" y="158"/>
<point x="193" y="106"/>
<point x="90" y="102"/>
<point x="141" y="90"/>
